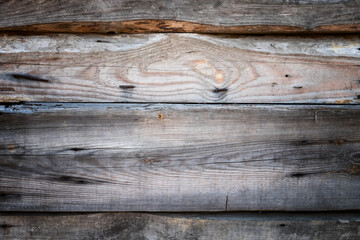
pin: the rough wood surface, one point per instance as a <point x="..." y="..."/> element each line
<point x="141" y="157"/>
<point x="205" y="16"/>
<point x="180" y="68"/>
<point x="142" y="226"/>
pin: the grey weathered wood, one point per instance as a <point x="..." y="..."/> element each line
<point x="141" y="157"/>
<point x="209" y="16"/>
<point x="180" y="68"/>
<point x="247" y="226"/>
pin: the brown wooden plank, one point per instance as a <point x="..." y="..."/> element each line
<point x="272" y="226"/>
<point x="130" y="157"/>
<point x="180" y="68"/>
<point x="202" y="16"/>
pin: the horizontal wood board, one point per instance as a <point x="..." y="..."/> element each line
<point x="163" y="157"/>
<point x="180" y="68"/>
<point x="202" y="16"/>
<point x="144" y="226"/>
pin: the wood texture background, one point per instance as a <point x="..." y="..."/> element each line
<point x="99" y="144"/>
<point x="180" y="68"/>
<point x="206" y="16"/>
<point x="131" y="157"/>
<point x="142" y="226"/>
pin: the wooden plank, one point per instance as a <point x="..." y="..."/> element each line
<point x="272" y="226"/>
<point x="142" y="157"/>
<point x="180" y="68"/>
<point x="202" y="16"/>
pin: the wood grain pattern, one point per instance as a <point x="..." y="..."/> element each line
<point x="202" y="16"/>
<point x="141" y="157"/>
<point x="142" y="226"/>
<point x="185" y="68"/>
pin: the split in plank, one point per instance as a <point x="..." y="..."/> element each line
<point x="142" y="157"/>
<point x="249" y="226"/>
<point x="201" y="16"/>
<point x="185" y="68"/>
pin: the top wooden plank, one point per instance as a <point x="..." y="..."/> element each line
<point x="201" y="16"/>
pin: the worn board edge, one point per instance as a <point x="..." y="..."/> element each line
<point x="175" y="26"/>
<point x="43" y="107"/>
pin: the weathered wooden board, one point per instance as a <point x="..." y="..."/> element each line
<point x="247" y="226"/>
<point x="205" y="16"/>
<point x="141" y="157"/>
<point x="180" y="68"/>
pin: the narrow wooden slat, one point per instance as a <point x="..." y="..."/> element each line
<point x="203" y="16"/>
<point x="249" y="226"/>
<point x="180" y="68"/>
<point x="141" y="157"/>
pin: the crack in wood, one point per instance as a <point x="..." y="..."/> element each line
<point x="226" y="202"/>
<point x="29" y="77"/>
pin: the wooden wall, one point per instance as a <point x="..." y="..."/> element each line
<point x="140" y="119"/>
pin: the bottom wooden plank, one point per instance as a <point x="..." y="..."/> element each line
<point x="277" y="226"/>
<point x="174" y="157"/>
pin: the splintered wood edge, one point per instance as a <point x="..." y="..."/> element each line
<point x="175" y="26"/>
